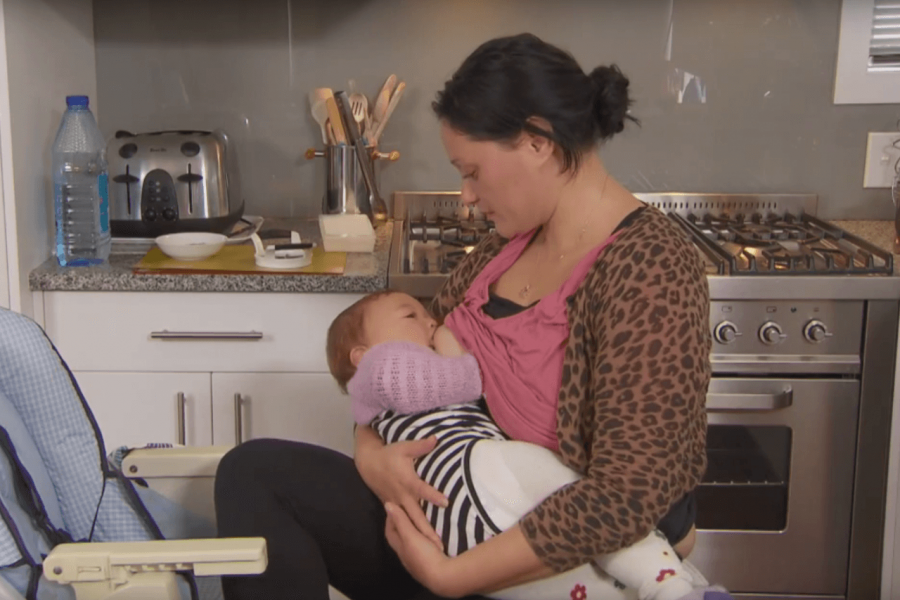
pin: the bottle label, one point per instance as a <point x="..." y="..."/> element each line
<point x="103" y="188"/>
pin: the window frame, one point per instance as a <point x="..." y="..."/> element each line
<point x="854" y="83"/>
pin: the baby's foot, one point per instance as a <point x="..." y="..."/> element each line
<point x="688" y="584"/>
<point x="714" y="592"/>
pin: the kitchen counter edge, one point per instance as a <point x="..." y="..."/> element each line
<point x="364" y="273"/>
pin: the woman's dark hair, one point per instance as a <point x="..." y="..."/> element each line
<point x="509" y="80"/>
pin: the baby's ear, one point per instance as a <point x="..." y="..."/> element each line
<point x="356" y="355"/>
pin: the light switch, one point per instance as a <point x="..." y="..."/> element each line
<point x="881" y="159"/>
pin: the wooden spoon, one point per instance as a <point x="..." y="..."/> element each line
<point x="382" y="101"/>
<point x="319" y="111"/>
<point x="395" y="99"/>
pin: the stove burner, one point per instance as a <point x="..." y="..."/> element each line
<point x="785" y="244"/>
<point x="438" y="245"/>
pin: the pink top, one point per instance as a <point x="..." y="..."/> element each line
<point x="521" y="356"/>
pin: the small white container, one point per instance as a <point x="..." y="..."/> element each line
<point x="347" y="233"/>
<point x="193" y="245"/>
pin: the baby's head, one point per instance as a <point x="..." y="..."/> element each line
<point x="385" y="316"/>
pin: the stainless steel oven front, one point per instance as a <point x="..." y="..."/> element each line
<point x="774" y="508"/>
<point x="775" y="505"/>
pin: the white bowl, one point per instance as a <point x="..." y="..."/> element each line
<point x="191" y="245"/>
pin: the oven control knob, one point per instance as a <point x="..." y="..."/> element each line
<point x="771" y="333"/>
<point x="726" y="332"/>
<point x="815" y="331"/>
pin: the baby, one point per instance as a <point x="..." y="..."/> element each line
<point x="408" y="378"/>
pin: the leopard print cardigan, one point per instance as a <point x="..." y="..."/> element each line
<point x="631" y="415"/>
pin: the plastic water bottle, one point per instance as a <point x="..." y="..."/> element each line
<point x="80" y="185"/>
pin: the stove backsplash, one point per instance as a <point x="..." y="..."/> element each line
<point x="717" y="98"/>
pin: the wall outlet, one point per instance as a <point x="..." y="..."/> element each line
<point x="881" y="159"/>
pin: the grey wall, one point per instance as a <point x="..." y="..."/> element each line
<point x="768" y="123"/>
<point x="48" y="53"/>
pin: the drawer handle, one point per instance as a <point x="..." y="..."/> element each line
<point x="238" y="419"/>
<point x="179" y="399"/>
<point x="207" y="335"/>
<point x="749" y="402"/>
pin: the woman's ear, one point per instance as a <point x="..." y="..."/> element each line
<point x="541" y="145"/>
<point x="356" y="355"/>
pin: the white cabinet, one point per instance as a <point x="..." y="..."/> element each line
<point x="156" y="331"/>
<point x="134" y="409"/>
<point x="133" y="353"/>
<point x="306" y="407"/>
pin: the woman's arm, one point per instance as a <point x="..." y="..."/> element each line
<point x="642" y="319"/>
<point x="389" y="471"/>
<point x="500" y="562"/>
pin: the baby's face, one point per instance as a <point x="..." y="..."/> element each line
<point x="399" y="318"/>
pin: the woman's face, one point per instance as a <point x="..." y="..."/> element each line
<point x="508" y="183"/>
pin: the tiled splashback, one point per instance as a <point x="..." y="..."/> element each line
<point x="734" y="96"/>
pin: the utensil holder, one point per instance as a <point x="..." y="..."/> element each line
<point x="344" y="181"/>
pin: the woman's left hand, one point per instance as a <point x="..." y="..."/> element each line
<point x="426" y="563"/>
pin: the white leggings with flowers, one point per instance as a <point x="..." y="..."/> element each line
<point x="510" y="478"/>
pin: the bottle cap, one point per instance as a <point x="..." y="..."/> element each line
<point x="76" y="101"/>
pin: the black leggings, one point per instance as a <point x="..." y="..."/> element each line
<point x="321" y="524"/>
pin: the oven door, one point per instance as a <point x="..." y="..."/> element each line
<point x="774" y="506"/>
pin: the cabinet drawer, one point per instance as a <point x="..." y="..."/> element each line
<point x="122" y="331"/>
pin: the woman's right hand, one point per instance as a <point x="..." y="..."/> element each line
<point x="389" y="471"/>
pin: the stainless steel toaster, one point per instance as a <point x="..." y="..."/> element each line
<point x="172" y="181"/>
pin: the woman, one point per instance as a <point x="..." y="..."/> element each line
<point x="614" y="374"/>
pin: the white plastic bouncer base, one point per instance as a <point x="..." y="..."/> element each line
<point x="148" y="570"/>
<point x="137" y="586"/>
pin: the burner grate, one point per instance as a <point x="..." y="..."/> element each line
<point x="436" y="246"/>
<point x="785" y="244"/>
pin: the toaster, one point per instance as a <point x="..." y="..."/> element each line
<point x="172" y="181"/>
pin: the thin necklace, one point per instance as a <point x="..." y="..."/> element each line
<point x="526" y="289"/>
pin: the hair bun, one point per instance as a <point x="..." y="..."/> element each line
<point x="611" y="100"/>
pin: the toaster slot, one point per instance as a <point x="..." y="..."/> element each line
<point x="190" y="178"/>
<point x="127" y="179"/>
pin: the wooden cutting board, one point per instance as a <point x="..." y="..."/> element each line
<point x="236" y="260"/>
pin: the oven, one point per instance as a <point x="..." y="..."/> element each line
<point x="804" y="321"/>
<point x="781" y="445"/>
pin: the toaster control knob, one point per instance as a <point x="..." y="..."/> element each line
<point x="726" y="332"/>
<point x="150" y="215"/>
<point x="190" y="148"/>
<point x="815" y="331"/>
<point x="169" y="214"/>
<point x="771" y="333"/>
<point x="128" y="150"/>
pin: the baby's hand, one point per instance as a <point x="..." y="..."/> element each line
<point x="445" y="343"/>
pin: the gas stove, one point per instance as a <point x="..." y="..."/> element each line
<point x="772" y="235"/>
<point x="432" y="233"/>
<point x="748" y="242"/>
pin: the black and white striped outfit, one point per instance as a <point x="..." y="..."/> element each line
<point x="464" y="523"/>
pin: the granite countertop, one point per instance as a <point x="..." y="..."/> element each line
<point x="364" y="273"/>
<point x="880" y="233"/>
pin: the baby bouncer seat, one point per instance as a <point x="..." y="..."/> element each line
<point x="71" y="524"/>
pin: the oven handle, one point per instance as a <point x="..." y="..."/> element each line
<point x="717" y="402"/>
